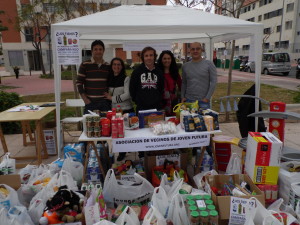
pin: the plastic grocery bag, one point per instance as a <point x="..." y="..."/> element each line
<point x="171" y="188"/>
<point x="126" y="192"/>
<point x="160" y="200"/>
<point x="104" y="222"/>
<point x="74" y="168"/>
<point x="234" y="165"/>
<point x="177" y="211"/>
<point x="4" y="217"/>
<point x="154" y="216"/>
<point x="8" y="165"/>
<point x="128" y="216"/>
<point x="8" y="197"/>
<point x="260" y="215"/>
<point x="199" y="178"/>
<point x="36" y="210"/>
<point x="20" y="214"/>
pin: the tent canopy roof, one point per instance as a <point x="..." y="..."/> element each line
<point x="155" y="23"/>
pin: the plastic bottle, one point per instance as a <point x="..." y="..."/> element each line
<point x="65" y="40"/>
<point x="119" y="109"/>
<point x="207" y="162"/>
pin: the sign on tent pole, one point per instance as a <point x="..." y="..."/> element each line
<point x="67" y="47"/>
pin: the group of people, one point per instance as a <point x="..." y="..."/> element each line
<point x="152" y="85"/>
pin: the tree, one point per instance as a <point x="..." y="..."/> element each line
<point x="34" y="21"/>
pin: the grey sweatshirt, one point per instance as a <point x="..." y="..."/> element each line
<point x="199" y="80"/>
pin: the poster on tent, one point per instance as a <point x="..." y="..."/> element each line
<point x="67" y="47"/>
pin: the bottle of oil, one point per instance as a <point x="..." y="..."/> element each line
<point x="65" y="40"/>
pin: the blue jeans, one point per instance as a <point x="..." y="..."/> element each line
<point x="202" y="105"/>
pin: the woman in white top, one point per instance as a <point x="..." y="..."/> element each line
<point x="118" y="84"/>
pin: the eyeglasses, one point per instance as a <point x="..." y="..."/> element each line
<point x="195" y="49"/>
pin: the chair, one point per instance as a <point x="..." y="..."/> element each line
<point x="72" y="120"/>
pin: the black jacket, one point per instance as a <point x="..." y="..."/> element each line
<point x="147" y="87"/>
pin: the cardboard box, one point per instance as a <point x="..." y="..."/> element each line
<point x="223" y="202"/>
<point x="263" y="155"/>
<point x="12" y="180"/>
<point x="150" y="162"/>
<point x="150" y="116"/>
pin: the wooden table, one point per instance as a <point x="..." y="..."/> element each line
<point x="25" y="117"/>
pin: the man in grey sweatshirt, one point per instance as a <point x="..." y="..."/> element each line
<point x="199" y="78"/>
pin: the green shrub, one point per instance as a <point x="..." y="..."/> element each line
<point x="7" y="101"/>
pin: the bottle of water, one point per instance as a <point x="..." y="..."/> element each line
<point x="207" y="162"/>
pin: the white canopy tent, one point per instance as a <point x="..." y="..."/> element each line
<point x="157" y="24"/>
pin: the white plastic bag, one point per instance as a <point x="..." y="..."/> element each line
<point x="177" y="211"/>
<point x="154" y="215"/>
<point x="104" y="222"/>
<point x="171" y="188"/>
<point x="126" y="192"/>
<point x="74" y="168"/>
<point x="9" y="200"/>
<point x="4" y="217"/>
<point x="20" y="214"/>
<point x="198" y="178"/>
<point x="234" y="165"/>
<point x="25" y="173"/>
<point x="8" y="165"/>
<point x="36" y="210"/>
<point x="128" y="216"/>
<point x="260" y="215"/>
<point x="160" y="200"/>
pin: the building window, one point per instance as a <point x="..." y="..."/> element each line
<point x="28" y="32"/>
<point x="288" y="25"/>
<point x="15" y="58"/>
<point x="272" y="14"/>
<point x="266" y="45"/>
<point x="259" y="18"/>
<point x="285" y="44"/>
<point x="278" y="28"/>
<point x="253" y="6"/>
<point x="298" y="33"/>
<point x="290" y="7"/>
<point x="264" y="2"/>
<point x="251" y="19"/>
<point x="237" y="48"/>
<point x="246" y="47"/>
<point x="267" y="30"/>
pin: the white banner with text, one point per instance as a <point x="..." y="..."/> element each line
<point x="134" y="144"/>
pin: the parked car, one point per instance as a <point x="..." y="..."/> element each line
<point x="273" y="62"/>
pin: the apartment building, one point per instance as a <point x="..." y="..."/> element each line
<point x="281" y="20"/>
<point x="17" y="46"/>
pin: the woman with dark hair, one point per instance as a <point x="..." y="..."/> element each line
<point x="118" y="84"/>
<point x="167" y="63"/>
